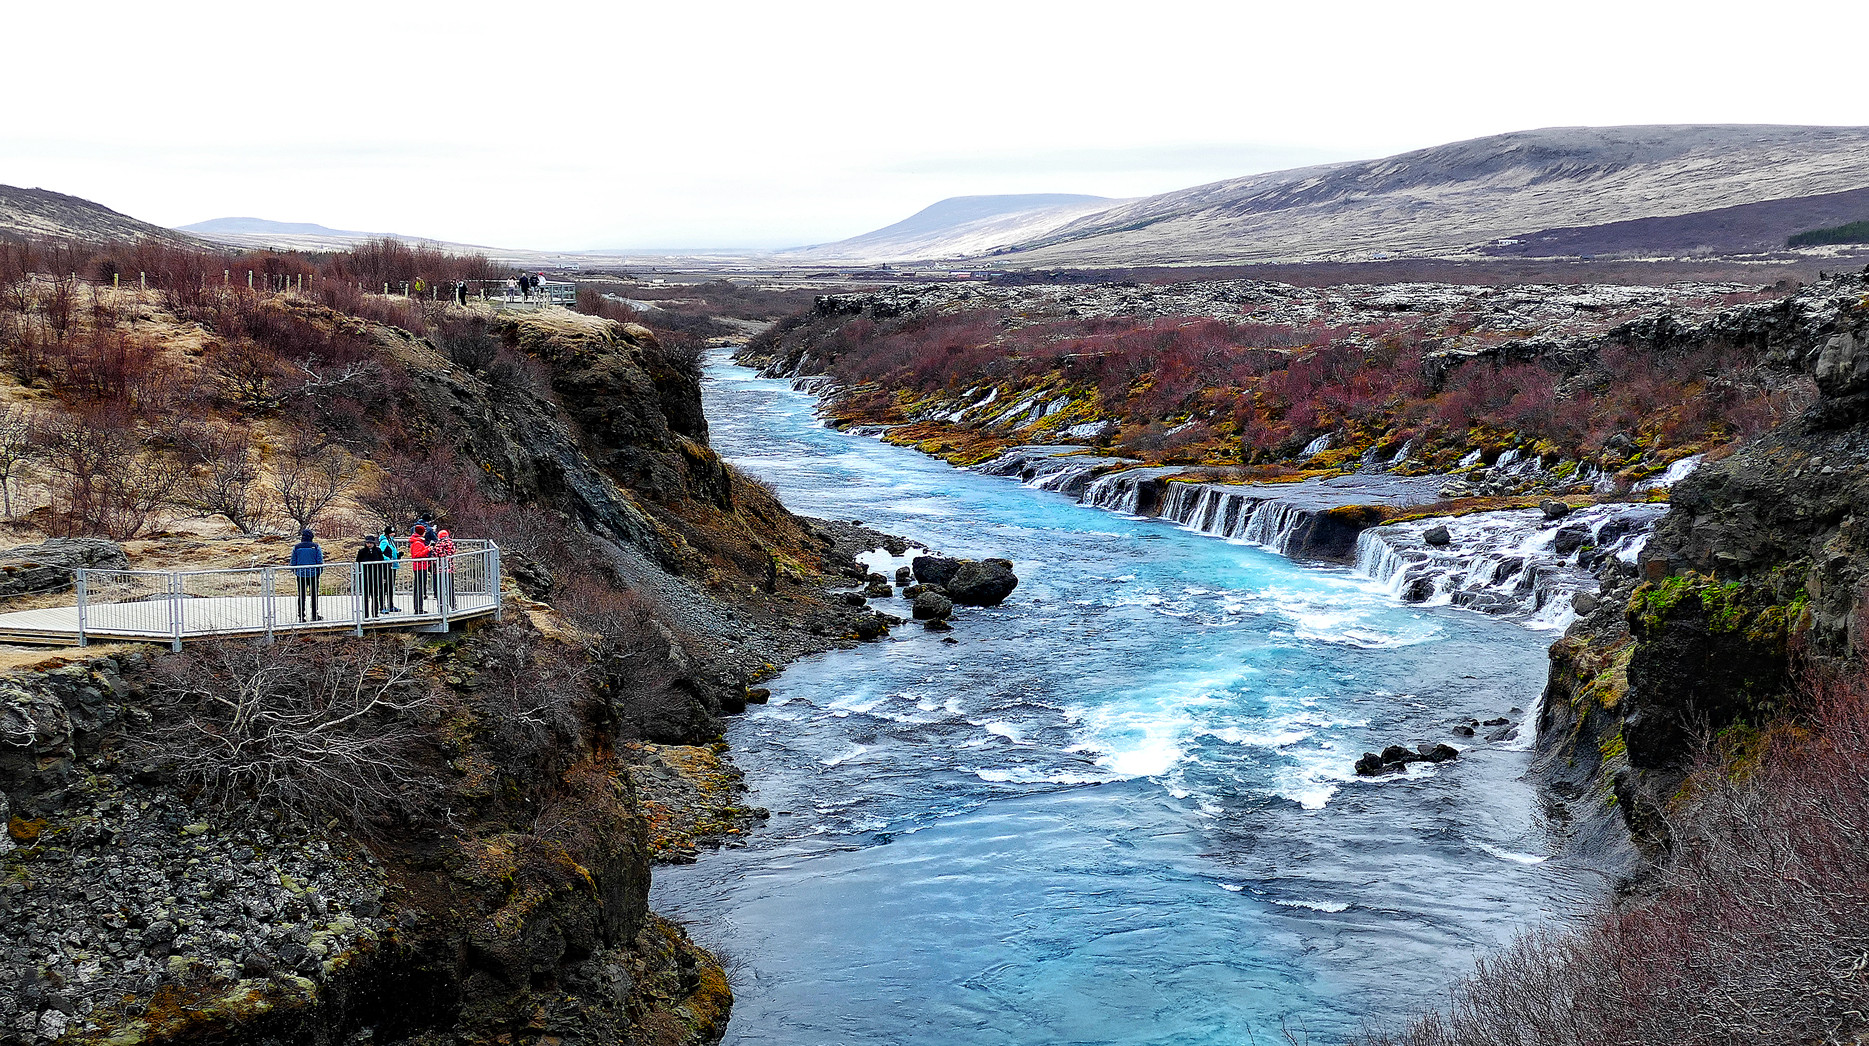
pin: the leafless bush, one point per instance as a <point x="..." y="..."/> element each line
<point x="309" y="727"/>
<point x="105" y="481"/>
<point x="224" y="480"/>
<point x="469" y="342"/>
<point x="17" y="446"/>
<point x="397" y="496"/>
<point x="527" y="696"/>
<point x="59" y="304"/>
<point x="631" y="659"/>
<point x="309" y="478"/>
<point x="1757" y="931"/>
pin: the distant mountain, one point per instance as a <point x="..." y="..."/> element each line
<point x="265" y="234"/>
<point x="263" y="227"/>
<point x="43" y="213"/>
<point x="1468" y="196"/>
<point x="959" y="227"/>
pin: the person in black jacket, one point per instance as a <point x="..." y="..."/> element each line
<point x="307" y="565"/>
<point x="370" y="577"/>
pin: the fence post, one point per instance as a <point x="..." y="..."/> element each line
<point x="175" y="611"/>
<point x="83" y="640"/>
<point x="498" y="596"/>
<point x="357" y="598"/>
<point x="269" y="608"/>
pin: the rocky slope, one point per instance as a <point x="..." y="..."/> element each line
<point x="42" y="212"/>
<point x="1754" y="575"/>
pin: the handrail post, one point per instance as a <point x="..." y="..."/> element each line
<point x="175" y="611"/>
<point x="443" y="587"/>
<point x="499" y="602"/>
<point x="269" y="611"/>
<point x="356" y="598"/>
<point x="83" y="640"/>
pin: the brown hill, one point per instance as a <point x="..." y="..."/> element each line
<point x="47" y="214"/>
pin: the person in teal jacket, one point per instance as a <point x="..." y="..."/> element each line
<point x="391" y="554"/>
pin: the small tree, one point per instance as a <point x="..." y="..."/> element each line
<point x="309" y="477"/>
<point x="224" y="479"/>
<point x="17" y="445"/>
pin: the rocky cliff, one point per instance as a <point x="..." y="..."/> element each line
<point x="467" y="858"/>
<point x="1754" y="575"/>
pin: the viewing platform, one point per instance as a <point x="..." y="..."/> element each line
<point x="176" y="606"/>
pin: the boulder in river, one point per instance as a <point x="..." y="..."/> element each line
<point x="872" y="626"/>
<point x="904" y="575"/>
<point x="934" y="570"/>
<point x="1569" y="539"/>
<point x="879" y="590"/>
<point x="982" y="583"/>
<point x="1439" y="753"/>
<point x="935" y="624"/>
<point x="1437" y="535"/>
<point x="1553" y="508"/>
<point x="929" y="605"/>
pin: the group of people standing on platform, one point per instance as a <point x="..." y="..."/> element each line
<point x="431" y="565"/>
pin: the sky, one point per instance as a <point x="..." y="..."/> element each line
<point x="581" y="126"/>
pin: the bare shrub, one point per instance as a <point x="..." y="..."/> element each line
<point x="60" y="304"/>
<point x="17" y="446"/>
<point x="1756" y="931"/>
<point x="225" y="479"/>
<point x="309" y="477"/>
<point x="527" y="697"/>
<point x="469" y="342"/>
<point x="309" y="727"/>
<point x="397" y="496"/>
<point x="105" y="481"/>
<point x="631" y="659"/>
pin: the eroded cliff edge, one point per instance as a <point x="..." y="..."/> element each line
<point x="1753" y="578"/>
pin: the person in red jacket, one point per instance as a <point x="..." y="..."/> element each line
<point x="418" y="563"/>
<point x="444" y="570"/>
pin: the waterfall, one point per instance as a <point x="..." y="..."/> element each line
<point x="1118" y="492"/>
<point x="1675" y="473"/>
<point x="1512" y="563"/>
<point x="1315" y="447"/>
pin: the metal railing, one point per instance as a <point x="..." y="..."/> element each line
<point x="190" y="604"/>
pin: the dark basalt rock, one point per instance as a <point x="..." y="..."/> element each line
<point x="1553" y="509"/>
<point x="1570" y="539"/>
<point x="1439" y="753"/>
<point x="928" y="606"/>
<point x="51" y="565"/>
<point x="982" y="583"/>
<point x="872" y="626"/>
<point x="934" y="570"/>
<point x="1438" y="536"/>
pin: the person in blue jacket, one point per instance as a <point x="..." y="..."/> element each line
<point x="307" y="564"/>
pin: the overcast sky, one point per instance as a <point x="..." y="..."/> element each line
<point x="686" y="124"/>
